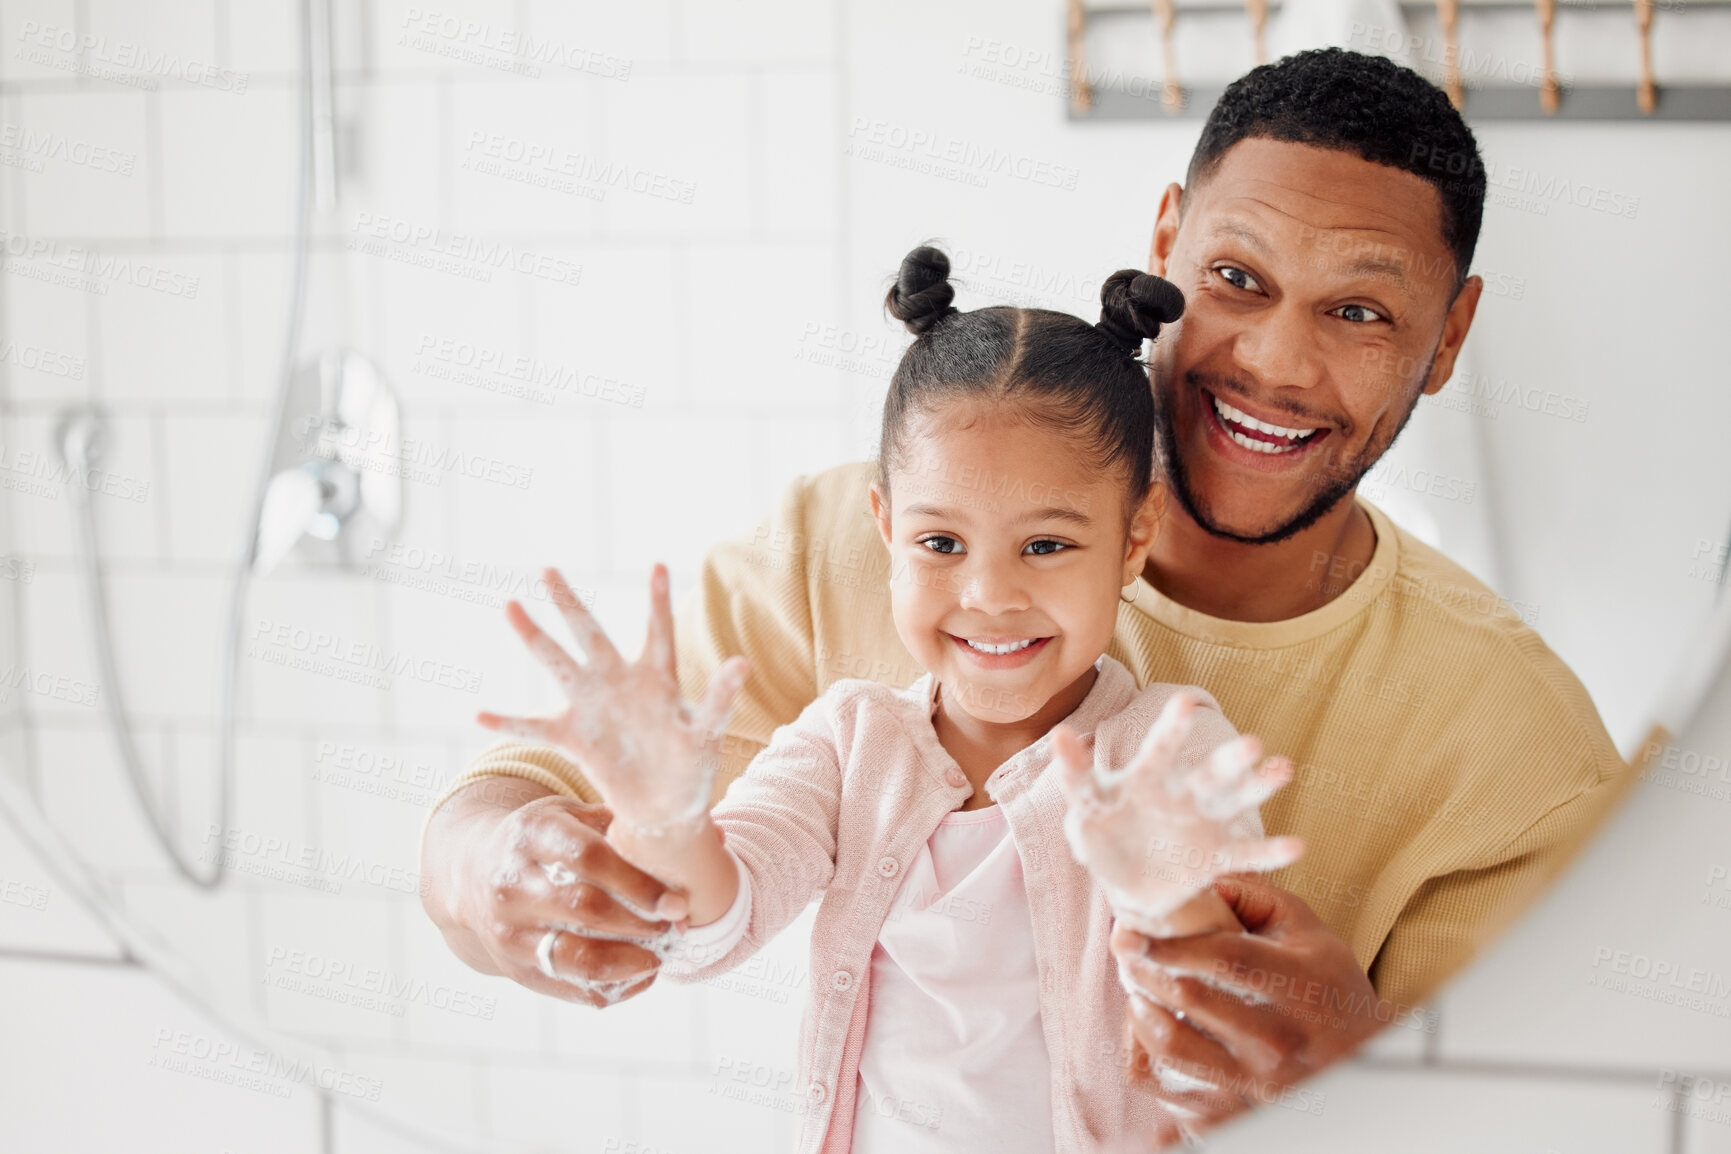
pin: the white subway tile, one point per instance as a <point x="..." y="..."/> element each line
<point x="674" y="485"/>
<point x="46" y="343"/>
<point x="46" y="502"/>
<point x="328" y="620"/>
<point x="493" y="1014"/>
<point x="41" y="39"/>
<point x="38" y="913"/>
<point x="312" y="959"/>
<point x="182" y="30"/>
<point x="657" y="1026"/>
<point x="754" y="351"/>
<point x="87" y="797"/>
<point x="612" y="41"/>
<point x="92" y="149"/>
<point x="163" y="337"/>
<point x="762" y="30"/>
<point x="679" y="148"/>
<point x="424" y="1104"/>
<point x="436" y="332"/>
<point x="171" y="1078"/>
<point x="168" y="632"/>
<point x="394" y="168"/>
<point x="621" y="329"/>
<point x="261" y="38"/>
<point x="1356" y="1108"/>
<point x="800" y="181"/>
<point x="205" y="932"/>
<point x="228" y="163"/>
<point x="539" y="1108"/>
<point x="525" y="155"/>
<point x="212" y="484"/>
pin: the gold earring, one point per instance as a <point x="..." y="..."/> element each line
<point x="1130" y="600"/>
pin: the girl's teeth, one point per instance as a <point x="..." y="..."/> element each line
<point x="999" y="650"/>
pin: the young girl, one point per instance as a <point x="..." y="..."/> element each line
<point x="963" y="995"/>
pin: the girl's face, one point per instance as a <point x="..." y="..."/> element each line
<point x="1007" y="553"/>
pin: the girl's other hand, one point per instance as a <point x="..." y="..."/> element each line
<point x="1155" y="833"/>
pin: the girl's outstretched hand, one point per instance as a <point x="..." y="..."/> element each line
<point x="1155" y="832"/>
<point x="652" y="756"/>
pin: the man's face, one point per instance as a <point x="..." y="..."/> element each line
<point x="1319" y="303"/>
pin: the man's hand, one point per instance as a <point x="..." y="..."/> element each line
<point x="504" y="860"/>
<point x="1232" y="1019"/>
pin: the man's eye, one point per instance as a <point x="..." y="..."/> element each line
<point x="1238" y="278"/>
<point x="1044" y="548"/>
<point x="943" y="545"/>
<point x="1358" y="314"/>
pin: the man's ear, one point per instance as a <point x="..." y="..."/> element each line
<point x="1144" y="528"/>
<point x="881" y="513"/>
<point x="1454" y="334"/>
<point x="1165" y="229"/>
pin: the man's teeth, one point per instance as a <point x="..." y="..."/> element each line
<point x="999" y="650"/>
<point x="1294" y="437"/>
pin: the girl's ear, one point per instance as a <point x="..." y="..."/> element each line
<point x="881" y="513"/>
<point x="1144" y="528"/>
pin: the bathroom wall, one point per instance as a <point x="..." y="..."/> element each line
<point x="689" y="280"/>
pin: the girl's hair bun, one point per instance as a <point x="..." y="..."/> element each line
<point x="921" y="296"/>
<point x="1133" y="306"/>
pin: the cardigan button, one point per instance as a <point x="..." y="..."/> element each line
<point x="815" y="1091"/>
<point x="887" y="867"/>
<point x="956" y="778"/>
<point x="842" y="980"/>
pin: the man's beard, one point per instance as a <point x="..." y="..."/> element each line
<point x="1340" y="483"/>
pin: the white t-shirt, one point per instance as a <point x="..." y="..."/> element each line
<point x="954" y="1056"/>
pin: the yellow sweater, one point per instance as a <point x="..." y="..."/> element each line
<point x="1448" y="763"/>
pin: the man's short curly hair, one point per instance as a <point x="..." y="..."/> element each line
<point x="1366" y="105"/>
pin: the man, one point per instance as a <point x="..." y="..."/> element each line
<point x="1448" y="762"/>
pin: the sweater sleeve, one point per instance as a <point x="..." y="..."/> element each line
<point x="781" y="822"/>
<point x="1454" y="916"/>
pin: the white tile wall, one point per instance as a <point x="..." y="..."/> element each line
<point x="748" y="322"/>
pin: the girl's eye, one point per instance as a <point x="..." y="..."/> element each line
<point x="1358" y="314"/>
<point x="944" y="545"/>
<point x="1043" y="548"/>
<point x="1238" y="278"/>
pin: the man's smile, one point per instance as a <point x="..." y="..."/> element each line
<point x="1256" y="442"/>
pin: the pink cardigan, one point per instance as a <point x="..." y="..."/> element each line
<point x="843" y="798"/>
